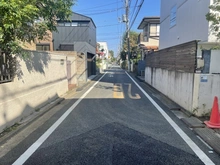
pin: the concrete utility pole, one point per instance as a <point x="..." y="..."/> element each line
<point x="127" y="31"/>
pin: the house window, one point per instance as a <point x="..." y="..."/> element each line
<point x="66" y="47"/>
<point x="145" y="33"/>
<point x="158" y="29"/>
<point x="74" y="24"/>
<point x="83" y="23"/>
<point x="67" y="23"/>
<point x="60" y="23"/>
<point x="43" y="47"/>
<point x="154" y="30"/>
<point x="173" y="16"/>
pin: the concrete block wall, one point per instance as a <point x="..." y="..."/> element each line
<point x="177" y="86"/>
<point x="39" y="79"/>
<point x="206" y="87"/>
<point x="194" y="92"/>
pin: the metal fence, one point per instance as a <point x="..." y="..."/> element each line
<point x="178" y="58"/>
<point x="6" y="68"/>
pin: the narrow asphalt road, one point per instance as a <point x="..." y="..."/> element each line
<point x="112" y="121"/>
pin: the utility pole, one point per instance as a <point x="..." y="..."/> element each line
<point x="127" y="31"/>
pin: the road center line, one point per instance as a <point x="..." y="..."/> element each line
<point x="203" y="157"/>
<point x="23" y="158"/>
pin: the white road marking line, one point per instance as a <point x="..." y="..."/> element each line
<point x="203" y="157"/>
<point x="23" y="158"/>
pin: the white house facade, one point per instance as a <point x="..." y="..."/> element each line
<point x="183" y="21"/>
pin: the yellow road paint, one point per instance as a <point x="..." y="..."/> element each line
<point x="118" y="91"/>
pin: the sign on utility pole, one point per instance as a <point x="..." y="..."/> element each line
<point x="127" y="32"/>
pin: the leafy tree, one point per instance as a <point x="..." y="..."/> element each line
<point x="214" y="17"/>
<point x="28" y="20"/>
<point x="133" y="37"/>
<point x="123" y="55"/>
<point x="111" y="52"/>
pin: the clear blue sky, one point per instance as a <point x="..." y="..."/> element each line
<point x="106" y="15"/>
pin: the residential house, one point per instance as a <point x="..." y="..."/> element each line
<point x="103" y="47"/>
<point x="46" y="44"/>
<point x="186" y="66"/>
<point x="77" y="34"/>
<point x="41" y="45"/>
<point x="148" y="40"/>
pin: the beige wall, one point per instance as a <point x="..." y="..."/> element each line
<point x="39" y="80"/>
<point x="152" y="42"/>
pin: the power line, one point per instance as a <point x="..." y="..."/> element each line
<point x="97" y="6"/>
<point x="110" y="39"/>
<point x="110" y="11"/>
<point x="129" y="3"/>
<point x="109" y="33"/>
<point x="104" y="35"/>
<point x="108" y="25"/>
<point x="134" y="9"/>
<point x="139" y="7"/>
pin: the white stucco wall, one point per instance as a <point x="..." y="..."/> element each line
<point x="175" y="85"/>
<point x="206" y="87"/>
<point x="191" y="23"/>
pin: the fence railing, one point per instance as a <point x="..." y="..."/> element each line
<point x="6" y="68"/>
<point x="178" y="58"/>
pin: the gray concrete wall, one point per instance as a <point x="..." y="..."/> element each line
<point x="177" y="86"/>
<point x="192" y="91"/>
<point x="206" y="87"/>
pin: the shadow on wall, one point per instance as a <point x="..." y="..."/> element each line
<point x="35" y="62"/>
<point x="26" y="111"/>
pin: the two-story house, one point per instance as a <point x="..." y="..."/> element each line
<point x="148" y="40"/>
<point x="77" y="34"/>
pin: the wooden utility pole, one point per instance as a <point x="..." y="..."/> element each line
<point x="127" y="32"/>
